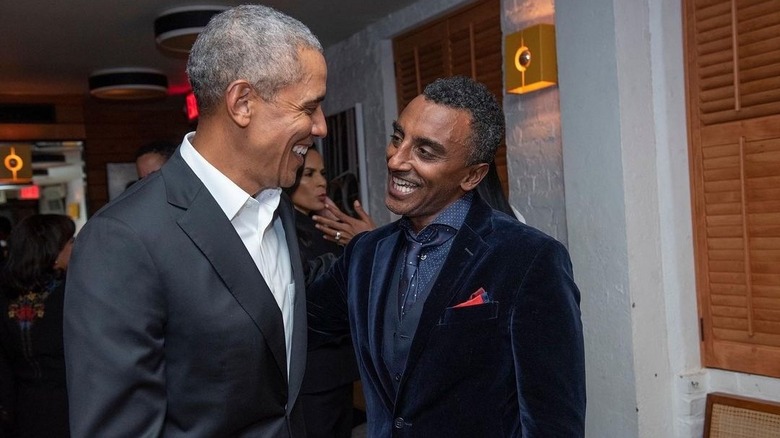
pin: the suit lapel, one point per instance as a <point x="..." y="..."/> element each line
<point x="467" y="249"/>
<point x="299" y="336"/>
<point x="205" y="223"/>
<point x="381" y="271"/>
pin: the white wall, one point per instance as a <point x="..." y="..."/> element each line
<point x="595" y="210"/>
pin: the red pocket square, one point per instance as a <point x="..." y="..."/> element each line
<point x="476" y="298"/>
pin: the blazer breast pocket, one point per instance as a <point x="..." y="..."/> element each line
<point x="485" y="312"/>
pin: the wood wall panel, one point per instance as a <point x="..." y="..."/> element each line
<point x="114" y="131"/>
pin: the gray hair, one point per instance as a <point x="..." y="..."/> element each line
<point x="251" y="42"/>
<point x="487" y="118"/>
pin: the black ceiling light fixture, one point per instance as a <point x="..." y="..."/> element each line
<point x="175" y="30"/>
<point x="129" y="83"/>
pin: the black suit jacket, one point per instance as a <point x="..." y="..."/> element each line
<point x="170" y="329"/>
<point x="513" y="366"/>
<point x="330" y="361"/>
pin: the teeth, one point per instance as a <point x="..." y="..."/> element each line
<point x="300" y="150"/>
<point x="403" y="186"/>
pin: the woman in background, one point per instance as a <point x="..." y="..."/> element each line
<point x="32" y="365"/>
<point x="491" y="191"/>
<point x="331" y="369"/>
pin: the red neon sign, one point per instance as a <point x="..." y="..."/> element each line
<point x="30" y="192"/>
<point x="192" y="107"/>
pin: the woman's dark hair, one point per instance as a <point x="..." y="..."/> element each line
<point x="33" y="247"/>
<point x="298" y="175"/>
<point x="492" y="192"/>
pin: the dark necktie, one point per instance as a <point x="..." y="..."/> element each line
<point x="408" y="287"/>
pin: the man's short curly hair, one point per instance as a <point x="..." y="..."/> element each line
<point x="487" y="118"/>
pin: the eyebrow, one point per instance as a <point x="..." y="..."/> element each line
<point x="421" y="141"/>
<point x="397" y="127"/>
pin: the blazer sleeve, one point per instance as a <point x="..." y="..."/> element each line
<point x="113" y="331"/>
<point x="548" y="348"/>
<point x="326" y="296"/>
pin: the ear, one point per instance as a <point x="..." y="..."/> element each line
<point x="475" y="174"/>
<point x="238" y="99"/>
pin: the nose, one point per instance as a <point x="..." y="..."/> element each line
<point x="320" y="180"/>
<point x="398" y="157"/>
<point x="319" y="128"/>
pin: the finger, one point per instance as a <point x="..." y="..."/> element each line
<point x="365" y="217"/>
<point x="330" y="235"/>
<point x="333" y="208"/>
<point x="327" y="222"/>
<point x="328" y="214"/>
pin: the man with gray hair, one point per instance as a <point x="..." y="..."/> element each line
<point x="185" y="304"/>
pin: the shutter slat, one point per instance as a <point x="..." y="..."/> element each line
<point x="716" y="221"/>
<point x="728" y="290"/>
<point x="724" y="232"/>
<point x="725" y="174"/>
<point x="725" y="244"/>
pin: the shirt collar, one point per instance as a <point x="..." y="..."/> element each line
<point x="452" y="217"/>
<point x="228" y="194"/>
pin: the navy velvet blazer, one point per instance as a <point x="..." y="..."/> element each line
<point x="511" y="367"/>
<point x="170" y="329"/>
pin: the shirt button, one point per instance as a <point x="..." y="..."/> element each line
<point x="399" y="423"/>
<point x="397" y="377"/>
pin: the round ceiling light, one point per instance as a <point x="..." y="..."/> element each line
<point x="128" y="84"/>
<point x="175" y="30"/>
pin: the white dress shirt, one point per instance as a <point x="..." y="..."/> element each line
<point x="259" y="229"/>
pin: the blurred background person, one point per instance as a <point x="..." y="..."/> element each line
<point x="151" y="157"/>
<point x="32" y="284"/>
<point x="5" y="231"/>
<point x="327" y="391"/>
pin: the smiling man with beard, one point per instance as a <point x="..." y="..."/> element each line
<point x="465" y="322"/>
<point x="185" y="312"/>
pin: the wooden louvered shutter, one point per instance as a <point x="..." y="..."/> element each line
<point x="467" y="42"/>
<point x="733" y="70"/>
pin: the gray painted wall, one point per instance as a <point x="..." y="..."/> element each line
<point x="533" y="136"/>
<point x="595" y="206"/>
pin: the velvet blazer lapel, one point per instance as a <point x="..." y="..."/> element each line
<point x="467" y="250"/>
<point x="383" y="267"/>
<point x="211" y="231"/>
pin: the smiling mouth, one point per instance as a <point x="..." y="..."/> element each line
<point x="403" y="186"/>
<point x="301" y="150"/>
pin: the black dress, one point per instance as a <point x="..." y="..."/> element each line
<point x="326" y="392"/>
<point x="32" y="365"/>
